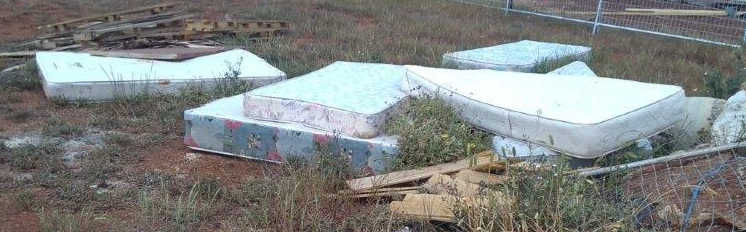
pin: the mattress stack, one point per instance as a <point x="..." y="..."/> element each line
<point x="343" y="107"/>
<point x="340" y="109"/>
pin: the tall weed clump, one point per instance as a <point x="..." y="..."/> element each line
<point x="546" y="198"/>
<point x="431" y="132"/>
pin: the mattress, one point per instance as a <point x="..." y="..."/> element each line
<point x="220" y="127"/>
<point x="576" y="68"/>
<point x="81" y="76"/>
<point x="521" y="56"/>
<point x="350" y="98"/>
<point x="581" y="117"/>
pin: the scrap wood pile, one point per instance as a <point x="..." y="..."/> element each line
<point x="447" y="187"/>
<point x="163" y="25"/>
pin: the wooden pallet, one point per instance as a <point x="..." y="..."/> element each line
<point x="132" y="28"/>
<point x="108" y="17"/>
<point x="250" y="26"/>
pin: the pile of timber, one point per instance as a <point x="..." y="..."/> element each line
<point x="435" y="192"/>
<point x="157" y="26"/>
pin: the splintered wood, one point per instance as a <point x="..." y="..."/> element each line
<point x="485" y="160"/>
<point x="449" y="187"/>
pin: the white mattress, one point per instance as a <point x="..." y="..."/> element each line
<point x="350" y="98"/>
<point x="75" y="76"/>
<point x="521" y="56"/>
<point x="582" y="117"/>
<point x="577" y="68"/>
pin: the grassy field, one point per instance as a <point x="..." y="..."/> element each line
<point x="137" y="175"/>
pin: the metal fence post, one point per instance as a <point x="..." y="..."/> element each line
<point x="598" y="16"/>
<point x="508" y="6"/>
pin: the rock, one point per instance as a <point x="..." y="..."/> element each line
<point x="577" y="68"/>
<point x="645" y="147"/>
<point x="730" y="126"/>
<point x="30" y="140"/>
<point x="192" y="156"/>
<point x="23" y="177"/>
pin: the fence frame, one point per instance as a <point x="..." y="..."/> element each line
<point x="598" y="22"/>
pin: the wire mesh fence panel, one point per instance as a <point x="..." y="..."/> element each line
<point x="700" y="21"/>
<point x="712" y="21"/>
<point x="584" y="10"/>
<point x="699" y="194"/>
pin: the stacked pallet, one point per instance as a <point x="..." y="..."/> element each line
<point x="149" y="26"/>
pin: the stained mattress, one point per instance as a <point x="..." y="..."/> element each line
<point x="349" y="98"/>
<point x="521" y="56"/>
<point x="581" y="117"/>
<point x="81" y="76"/>
<point x="221" y="127"/>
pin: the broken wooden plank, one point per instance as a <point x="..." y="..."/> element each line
<point x="14" y="68"/>
<point x="736" y="219"/>
<point x="160" y="53"/>
<point x="441" y="207"/>
<point x="480" y="160"/>
<point x="68" y="47"/>
<point x="425" y="207"/>
<point x="384" y="194"/>
<point x="443" y="184"/>
<point x="113" y="16"/>
<point x="480" y="177"/>
<point x="23" y="54"/>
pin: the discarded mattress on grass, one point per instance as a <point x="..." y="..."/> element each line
<point x="576" y="68"/>
<point x="354" y="99"/>
<point x="580" y="117"/>
<point x="521" y="56"/>
<point x="81" y="76"/>
<point x="221" y="127"/>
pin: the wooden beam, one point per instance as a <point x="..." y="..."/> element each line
<point x="23" y="54"/>
<point x="480" y="160"/>
<point x="679" y="12"/>
<point x="160" y="53"/>
<point x="648" y="13"/>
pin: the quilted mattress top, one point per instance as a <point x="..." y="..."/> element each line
<point x="556" y="97"/>
<point x="356" y="87"/>
<point x="525" y="52"/>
